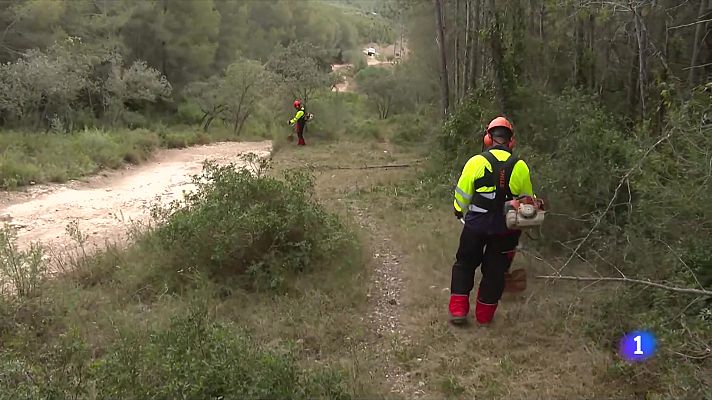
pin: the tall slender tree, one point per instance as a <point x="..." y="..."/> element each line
<point x="444" y="80"/>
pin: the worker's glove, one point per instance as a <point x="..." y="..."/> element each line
<point x="289" y="122"/>
<point x="458" y="214"/>
<point x="539" y="204"/>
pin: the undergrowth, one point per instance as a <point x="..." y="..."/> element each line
<point x="249" y="226"/>
<point x="210" y="300"/>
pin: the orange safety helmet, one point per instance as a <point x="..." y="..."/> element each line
<point x="499" y="122"/>
<point x="297" y="104"/>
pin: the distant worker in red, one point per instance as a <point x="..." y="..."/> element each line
<point x="299" y="121"/>
<point x="488" y="181"/>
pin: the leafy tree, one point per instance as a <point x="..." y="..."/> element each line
<point x="187" y="41"/>
<point x="379" y="84"/>
<point x="234" y="28"/>
<point x="233" y="96"/>
<point x="138" y="83"/>
<point x="190" y="31"/>
<point x="303" y="67"/>
<point x="44" y="85"/>
<point x="208" y="96"/>
<point x="245" y="83"/>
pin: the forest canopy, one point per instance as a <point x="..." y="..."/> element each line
<point x="68" y="64"/>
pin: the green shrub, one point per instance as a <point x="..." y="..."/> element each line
<point x="104" y="151"/>
<point x="197" y="360"/>
<point x="182" y="139"/>
<point x="192" y="359"/>
<point x="253" y="228"/>
<point x="411" y="129"/>
<point x="54" y="371"/>
<point x="370" y="129"/>
<point x="189" y="113"/>
<point x="336" y="114"/>
<point x="17" y="172"/>
<point x="138" y="145"/>
<point x="24" y="270"/>
<point x="134" y="120"/>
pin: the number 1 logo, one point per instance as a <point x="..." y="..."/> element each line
<point x="638" y="350"/>
<point x="638" y="345"/>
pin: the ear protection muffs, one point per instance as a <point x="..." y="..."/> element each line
<point x="503" y="122"/>
<point x="488" y="142"/>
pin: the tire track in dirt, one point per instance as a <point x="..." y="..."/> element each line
<point x="105" y="206"/>
<point x="386" y="308"/>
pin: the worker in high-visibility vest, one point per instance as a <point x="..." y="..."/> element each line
<point x="299" y="122"/>
<point x="488" y="180"/>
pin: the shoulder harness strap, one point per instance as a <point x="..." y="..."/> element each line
<point x="499" y="178"/>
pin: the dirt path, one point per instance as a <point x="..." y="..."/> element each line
<point x="387" y="307"/>
<point x="105" y="205"/>
<point x="348" y="84"/>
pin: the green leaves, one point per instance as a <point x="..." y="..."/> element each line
<point x="192" y="359"/>
<point x="380" y="85"/>
<point x="233" y="96"/>
<point x="303" y="66"/>
<point x="254" y="229"/>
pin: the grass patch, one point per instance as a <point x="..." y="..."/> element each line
<point x="38" y="158"/>
<point x="535" y="345"/>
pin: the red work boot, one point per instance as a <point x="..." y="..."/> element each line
<point x="301" y="142"/>
<point x="484" y="312"/>
<point x="459" y="308"/>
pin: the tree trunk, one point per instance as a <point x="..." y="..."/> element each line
<point x="542" y="18"/>
<point x="531" y="24"/>
<point x="444" y="82"/>
<point x="163" y="45"/>
<point x="632" y="88"/>
<point x="203" y="120"/>
<point x="497" y="56"/>
<point x="208" y="122"/>
<point x="456" y="23"/>
<point x="577" y="76"/>
<point x="592" y="51"/>
<point x="708" y="44"/>
<point x="662" y="109"/>
<point x="692" y="77"/>
<point x="242" y="123"/>
<point x="475" y="56"/>
<point x="468" y="55"/>
<point x="641" y="36"/>
<point x="484" y="54"/>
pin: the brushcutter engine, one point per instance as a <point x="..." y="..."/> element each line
<point x="524" y="212"/>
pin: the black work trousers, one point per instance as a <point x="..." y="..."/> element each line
<point x="494" y="252"/>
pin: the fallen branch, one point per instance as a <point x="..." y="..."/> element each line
<point x="702" y="357"/>
<point x="704" y="21"/>
<point x="405" y="165"/>
<point x="377" y="166"/>
<point x="697" y="66"/>
<point x="701" y="292"/>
